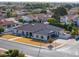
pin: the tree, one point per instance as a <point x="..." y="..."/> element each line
<point x="21" y="20"/>
<point x="1" y="30"/>
<point x="9" y="14"/>
<point x="74" y="31"/>
<point x="52" y="21"/>
<point x="43" y="11"/>
<point x="50" y="41"/>
<point x="56" y="16"/>
<point x="60" y="11"/>
<point x="69" y="27"/>
<point x="12" y="53"/>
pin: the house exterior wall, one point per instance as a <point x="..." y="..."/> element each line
<point x="39" y="37"/>
<point x="20" y="32"/>
<point x="34" y="35"/>
<point x="26" y="18"/>
<point x="77" y="22"/>
<point x="14" y="31"/>
<point x="64" y="19"/>
<point x="17" y="32"/>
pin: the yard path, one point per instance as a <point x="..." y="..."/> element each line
<point x="14" y="38"/>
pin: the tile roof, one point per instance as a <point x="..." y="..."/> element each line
<point x="39" y="28"/>
<point x="5" y="22"/>
<point x="44" y="32"/>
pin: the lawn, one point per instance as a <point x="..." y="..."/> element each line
<point x="30" y="41"/>
<point x="8" y="36"/>
<point x="37" y="43"/>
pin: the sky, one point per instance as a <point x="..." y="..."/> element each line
<point x="72" y="1"/>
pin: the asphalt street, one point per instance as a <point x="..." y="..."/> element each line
<point x="33" y="51"/>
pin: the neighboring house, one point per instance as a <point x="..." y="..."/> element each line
<point x="27" y="18"/>
<point x="73" y="11"/>
<point x="37" y="17"/>
<point x="77" y="21"/>
<point x="64" y="19"/>
<point x="20" y="13"/>
<point x="40" y="17"/>
<point x="8" y="22"/>
<point x="38" y="31"/>
<point x="70" y="18"/>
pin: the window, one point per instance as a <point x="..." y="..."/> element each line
<point x="47" y="37"/>
<point x="30" y="34"/>
<point x="26" y="33"/>
<point x="42" y="37"/>
<point x="37" y="36"/>
<point x="22" y="32"/>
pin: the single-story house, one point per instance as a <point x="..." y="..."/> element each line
<point x="77" y="21"/>
<point x="38" y="31"/>
<point x="64" y="19"/>
<point x="37" y="17"/>
<point x="8" y="22"/>
<point x="27" y="18"/>
<point x="20" y="13"/>
<point x="67" y="19"/>
<point x="40" y="17"/>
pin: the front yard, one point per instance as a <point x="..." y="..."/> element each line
<point x="8" y="36"/>
<point x="29" y="41"/>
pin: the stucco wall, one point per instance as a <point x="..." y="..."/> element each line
<point x="39" y="36"/>
<point x="14" y="31"/>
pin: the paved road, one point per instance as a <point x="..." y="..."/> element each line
<point x="33" y="51"/>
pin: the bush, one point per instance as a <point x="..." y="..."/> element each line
<point x="1" y="30"/>
<point x="12" y="53"/>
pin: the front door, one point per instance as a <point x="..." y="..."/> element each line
<point x="30" y="34"/>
